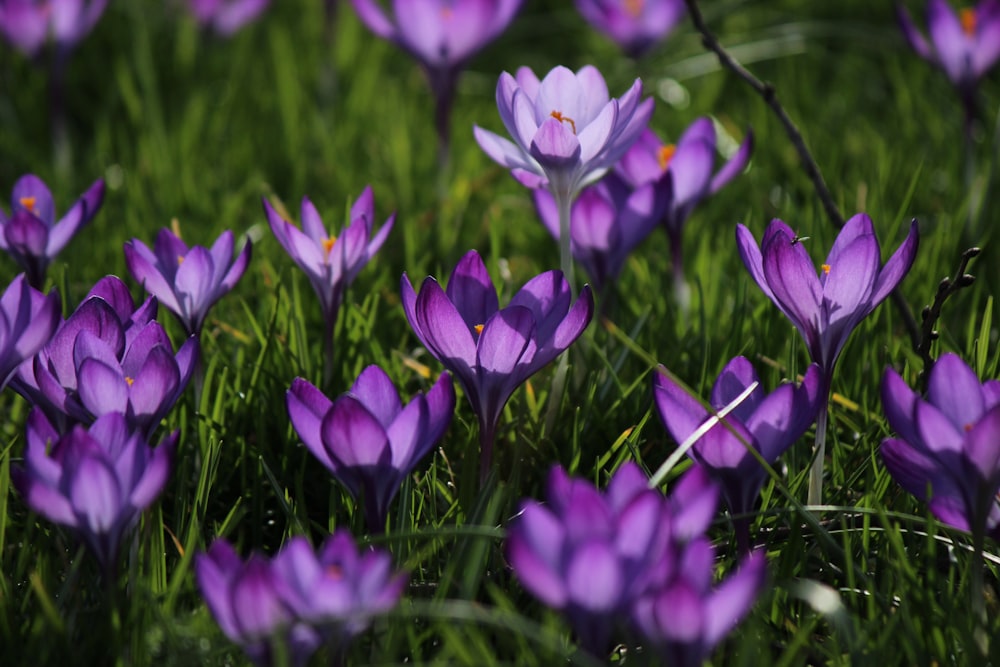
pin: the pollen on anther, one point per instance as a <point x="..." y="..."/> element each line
<point x="328" y="244"/>
<point x="967" y="427"/>
<point x="967" y="17"/>
<point x="634" y="7"/>
<point x="664" y="154"/>
<point x="180" y="259"/>
<point x="479" y="328"/>
<point x="28" y="203"/>
<point x="558" y="115"/>
<point x="826" y="268"/>
<point x="129" y="381"/>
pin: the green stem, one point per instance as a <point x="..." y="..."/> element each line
<point x="565" y="204"/>
<point x="819" y="453"/>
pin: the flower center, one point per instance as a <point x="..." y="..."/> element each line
<point x="826" y="269"/>
<point x="328" y="244"/>
<point x="334" y="572"/>
<point x="446" y="13"/>
<point x="28" y="203"/>
<point x="129" y="381"/>
<point x="564" y="119"/>
<point x="479" y="329"/>
<point x="967" y="17"/>
<point x="634" y="7"/>
<point x="664" y="154"/>
<point x="967" y="427"/>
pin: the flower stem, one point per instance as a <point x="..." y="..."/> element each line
<point x="819" y="453"/>
<point x="487" y="434"/>
<point x="977" y="593"/>
<point x="565" y="203"/>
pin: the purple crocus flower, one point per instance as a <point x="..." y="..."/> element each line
<point x="948" y="447"/>
<point x="590" y="554"/>
<point x="607" y="221"/>
<point x="300" y="597"/>
<point x="188" y="281"/>
<point x="851" y="282"/>
<point x="28" y="319"/>
<point x="683" y="175"/>
<point x="95" y="481"/>
<point x="964" y="44"/>
<point x="635" y="25"/>
<point x="225" y="17"/>
<point x="108" y="356"/>
<point x="770" y="423"/>
<point x="491" y="350"/>
<point x="442" y="35"/>
<point x="567" y="134"/>
<point x="31" y="234"/>
<point x="366" y="438"/>
<point x="28" y="24"/>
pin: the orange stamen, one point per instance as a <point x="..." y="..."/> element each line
<point x="479" y="328"/>
<point x="28" y="203"/>
<point x="446" y="13"/>
<point x="334" y="571"/>
<point x="180" y="259"/>
<point x="826" y="268"/>
<point x="328" y="244"/>
<point x="634" y="7"/>
<point x="564" y="119"/>
<point x="967" y="17"/>
<point x="129" y="381"/>
<point x="967" y="427"/>
<point x="664" y="154"/>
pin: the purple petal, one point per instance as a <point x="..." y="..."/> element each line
<point x="594" y="577"/>
<point x="733" y="599"/>
<point x="378" y="394"/>
<point x="734" y="166"/>
<point x="681" y="413"/>
<point x="534" y="545"/>
<point x="353" y="436"/>
<point x="471" y="290"/>
<point x="897" y="267"/>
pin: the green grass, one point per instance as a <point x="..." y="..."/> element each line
<point x="199" y="130"/>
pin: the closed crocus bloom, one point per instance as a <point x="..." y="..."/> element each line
<point x="965" y="44"/>
<point x="247" y="599"/>
<point x="28" y="319"/>
<point x="108" y="356"/>
<point x="32" y="236"/>
<point x="770" y="423"/>
<point x="635" y="25"/>
<point x="366" y="438"/>
<point x="947" y="449"/>
<point x="493" y="350"/>
<point x="826" y="305"/>
<point x="187" y="281"/>
<point x="590" y="554"/>
<point x="225" y="17"/>
<point x="28" y="24"/>
<point x="95" y="481"/>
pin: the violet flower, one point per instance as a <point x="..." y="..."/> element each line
<point x="300" y="598"/>
<point x="108" y="356"/>
<point x="31" y="235"/>
<point x="964" y="44"/>
<point x="188" y="281"/>
<point x="947" y="452"/>
<point x="567" y="134"/>
<point x="770" y="423"/>
<point x="225" y="17"/>
<point x="28" y="24"/>
<point x="366" y="438"/>
<point x="95" y="481"/>
<point x="683" y="175"/>
<point x="491" y="350"/>
<point x="331" y="262"/>
<point x="442" y="35"/>
<point x="635" y="25"/>
<point x="587" y="554"/>
<point x="607" y="221"/>
<point x="28" y="319"/>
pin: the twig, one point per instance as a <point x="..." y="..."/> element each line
<point x="930" y="314"/>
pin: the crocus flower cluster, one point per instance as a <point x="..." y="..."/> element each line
<point x="635" y="25"/>
<point x="188" y="281"/>
<point x="366" y="438"/>
<point x="108" y="356"/>
<point x="491" y="350"/>
<point x="947" y="449"/>
<point x="95" y="481"/>
<point x="965" y="44"/>
<point x="28" y="319"/>
<point x="225" y="17"/>
<point x="28" y="24"/>
<point x="631" y="557"/>
<point x="31" y="235"/>
<point x="301" y="598"/>
<point x="770" y="423"/>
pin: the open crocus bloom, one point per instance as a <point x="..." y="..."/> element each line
<point x="826" y="308"/>
<point x="948" y="447"/>
<point x="226" y="16"/>
<point x="635" y="25"/>
<point x="28" y="319"/>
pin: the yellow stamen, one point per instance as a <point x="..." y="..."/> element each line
<point x="479" y="328"/>
<point x="634" y="7"/>
<point x="664" y="154"/>
<point x="564" y="119"/>
<point x="826" y="268"/>
<point x="28" y="203"/>
<point x="129" y="381"/>
<point x="968" y="17"/>
<point x="328" y="244"/>
<point x="180" y="259"/>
